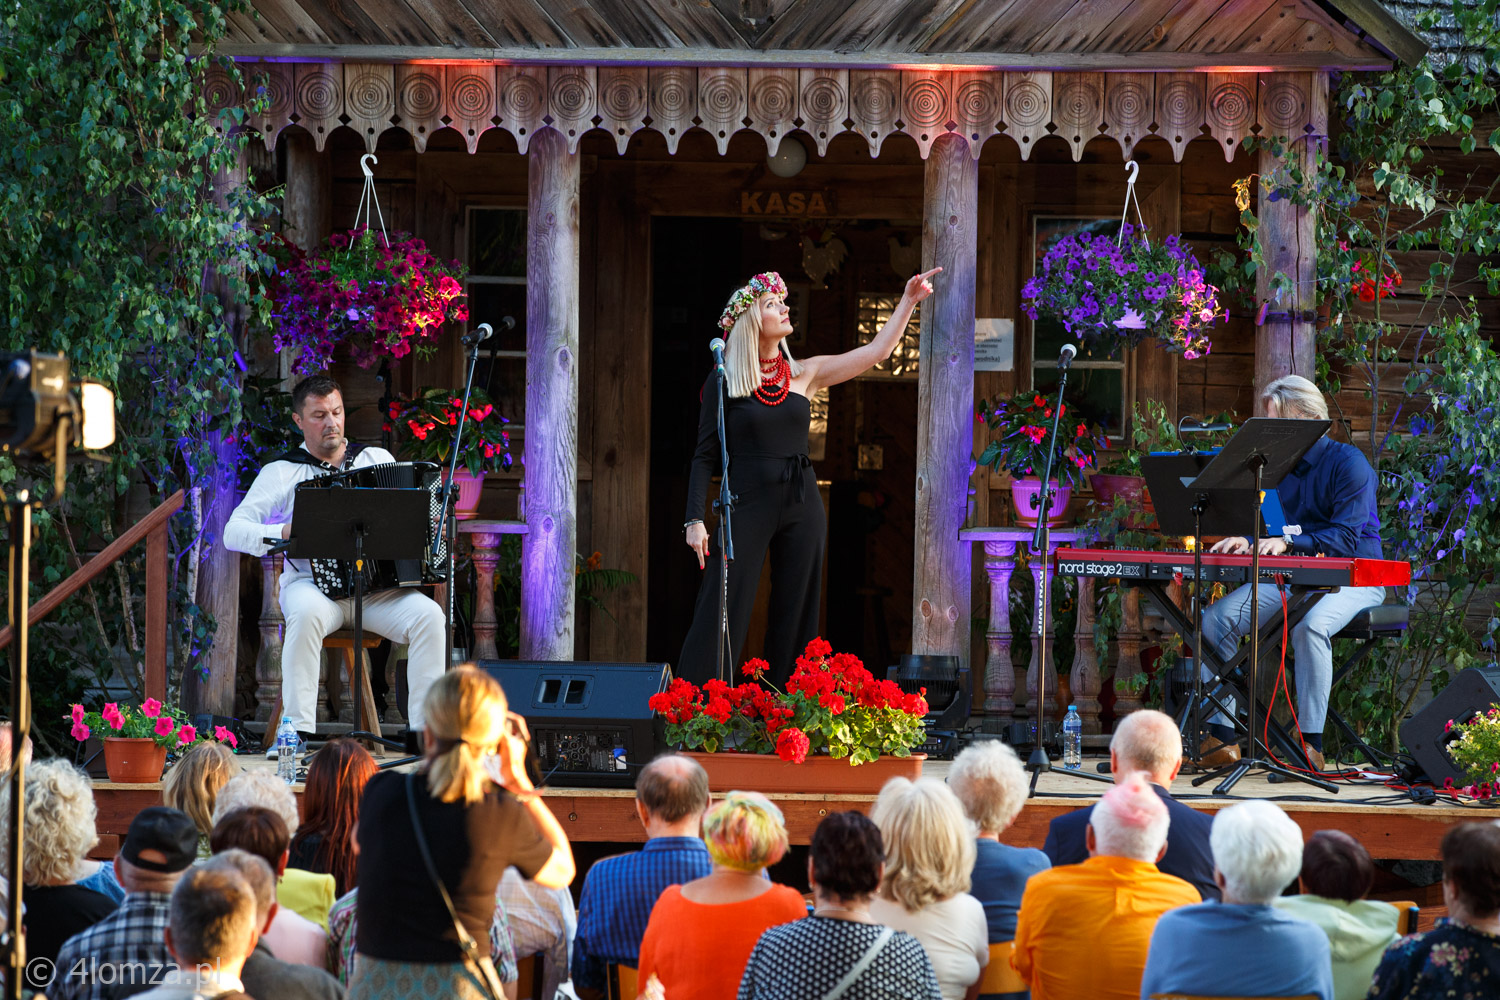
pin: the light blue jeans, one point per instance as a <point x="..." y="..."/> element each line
<point x="1227" y="619"/>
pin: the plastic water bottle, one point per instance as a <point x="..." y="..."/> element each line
<point x="286" y="750"/>
<point x="1072" y="740"/>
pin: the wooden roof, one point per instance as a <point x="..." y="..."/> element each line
<point x="997" y="34"/>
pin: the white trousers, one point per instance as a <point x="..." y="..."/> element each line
<point x="401" y="615"/>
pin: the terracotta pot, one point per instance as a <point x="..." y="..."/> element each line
<point x="768" y="773"/>
<point x="134" y="760"/>
<point x="1025" y="493"/>
<point x="469" y="488"/>
<point x="1132" y="488"/>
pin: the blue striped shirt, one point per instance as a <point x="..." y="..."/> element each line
<point x="618" y="894"/>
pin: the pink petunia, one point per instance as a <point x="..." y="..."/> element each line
<point x="114" y="716"/>
<point x="80" y="732"/>
<point x="150" y="708"/>
<point x="165" y="726"/>
<point x="225" y="736"/>
<point x="77" y="713"/>
<point x="187" y="734"/>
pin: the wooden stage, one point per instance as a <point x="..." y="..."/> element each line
<point x="1398" y="831"/>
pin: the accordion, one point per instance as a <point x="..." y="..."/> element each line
<point x="335" y="577"/>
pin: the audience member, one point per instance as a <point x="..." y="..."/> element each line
<point x="991" y="785"/>
<point x="929" y="853"/>
<point x="1149" y="741"/>
<point x="60" y="830"/>
<point x="7" y="737"/>
<point x="476" y="812"/>
<point x="1084" y="929"/>
<point x="336" y="781"/>
<point x="210" y="932"/>
<point x="1243" y="946"/>
<point x="671" y="794"/>
<point x="542" y="922"/>
<point x="130" y="944"/>
<point x="701" y="934"/>
<point x="841" y="946"/>
<point x="193" y="783"/>
<point x="1460" y="957"/>
<point x="265" y="975"/>
<point x="1337" y="873"/>
<point x="291" y="936"/>
<point x="310" y="894"/>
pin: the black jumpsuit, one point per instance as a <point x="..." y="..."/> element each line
<point x="778" y="512"/>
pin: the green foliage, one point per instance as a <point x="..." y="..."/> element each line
<point x="1433" y="440"/>
<point x="117" y="255"/>
<point x="1019" y="427"/>
<point x="426" y="425"/>
<point x="1154" y="430"/>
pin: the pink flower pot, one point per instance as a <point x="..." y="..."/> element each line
<point x="469" y="488"/>
<point x="1025" y="493"/>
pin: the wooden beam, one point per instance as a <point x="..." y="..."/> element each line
<point x="550" y="546"/>
<point x="1371" y="20"/>
<point x="307" y="208"/>
<point x="1125" y="62"/>
<point x="945" y="402"/>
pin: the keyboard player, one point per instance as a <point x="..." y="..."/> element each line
<point x="1329" y="504"/>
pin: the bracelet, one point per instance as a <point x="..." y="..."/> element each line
<point x="688" y="524"/>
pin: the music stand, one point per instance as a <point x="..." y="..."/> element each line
<point x="353" y="525"/>
<point x="1264" y="452"/>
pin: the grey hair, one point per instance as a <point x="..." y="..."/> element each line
<point x="1257" y="848"/>
<point x="61" y="825"/>
<point x="1130" y="821"/>
<point x="742" y="353"/>
<point x="990" y="783"/>
<point x="1148" y="740"/>
<point x="212" y="917"/>
<point x="258" y="788"/>
<point x="257" y="875"/>
<point x="1295" y="396"/>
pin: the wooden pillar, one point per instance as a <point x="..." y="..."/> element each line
<point x="945" y="401"/>
<point x="551" y="456"/>
<point x="1285" y="342"/>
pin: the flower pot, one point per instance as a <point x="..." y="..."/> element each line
<point x="1025" y="493"/>
<point x="1132" y="488"/>
<point x="759" y="772"/>
<point x="134" y="760"/>
<point x="469" y="488"/>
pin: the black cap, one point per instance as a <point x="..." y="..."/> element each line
<point x="169" y="831"/>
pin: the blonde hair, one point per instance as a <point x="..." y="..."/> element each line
<point x="193" y="783"/>
<point x="60" y="822"/>
<point x="742" y="352"/>
<point x="1296" y="396"/>
<point x="929" y="848"/>
<point x="465" y="709"/>
<point x="990" y="783"/>
<point x="745" y="832"/>
<point x="257" y="788"/>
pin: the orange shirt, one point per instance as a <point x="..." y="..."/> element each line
<point x="1084" y="930"/>
<point x="699" y="950"/>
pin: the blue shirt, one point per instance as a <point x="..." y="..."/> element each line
<point x="1331" y="496"/>
<point x="999" y="879"/>
<point x="1223" y="949"/>
<point x="618" y="894"/>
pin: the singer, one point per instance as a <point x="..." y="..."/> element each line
<point x="779" y="511"/>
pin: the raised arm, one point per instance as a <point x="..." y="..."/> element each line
<point x="831" y="369"/>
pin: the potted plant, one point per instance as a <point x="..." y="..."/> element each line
<point x="383" y="297"/>
<point x="1114" y="292"/>
<point x="136" y="740"/>
<point x="1021" y="429"/>
<point x="425" y="425"/>
<point x="833" y="710"/>
<point x="1151" y="430"/>
<point x="1477" y="751"/>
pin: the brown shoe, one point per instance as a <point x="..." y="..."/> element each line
<point x="1213" y="753"/>
<point x="1314" y="757"/>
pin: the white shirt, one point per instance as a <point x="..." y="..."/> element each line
<point x="268" y="505"/>
<point x="953" y="932"/>
<point x="194" y="984"/>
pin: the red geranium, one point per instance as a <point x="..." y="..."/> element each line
<point x="792" y="745"/>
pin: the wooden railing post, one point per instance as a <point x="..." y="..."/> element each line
<point x="156" y="613"/>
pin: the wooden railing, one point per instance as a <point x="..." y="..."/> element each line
<point x="153" y="528"/>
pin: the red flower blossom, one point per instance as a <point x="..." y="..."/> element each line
<point x="755" y="667"/>
<point x="792" y="745"/>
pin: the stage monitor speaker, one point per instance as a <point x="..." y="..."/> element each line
<point x="1426" y="734"/>
<point x="590" y="724"/>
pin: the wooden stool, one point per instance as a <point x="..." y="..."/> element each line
<point x="343" y="642"/>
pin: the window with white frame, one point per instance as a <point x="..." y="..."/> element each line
<point x="496" y="248"/>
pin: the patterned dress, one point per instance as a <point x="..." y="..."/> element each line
<point x="804" y="960"/>
<point x="1449" y="961"/>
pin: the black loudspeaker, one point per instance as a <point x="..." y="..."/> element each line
<point x="590" y="723"/>
<point x="1426" y="734"/>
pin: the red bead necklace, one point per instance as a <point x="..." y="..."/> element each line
<point x="775" y="380"/>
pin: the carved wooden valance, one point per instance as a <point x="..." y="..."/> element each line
<point x="924" y="104"/>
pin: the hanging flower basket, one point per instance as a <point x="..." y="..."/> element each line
<point x="383" y="298"/>
<point x="1110" y="293"/>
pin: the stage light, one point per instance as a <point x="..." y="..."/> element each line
<point x="41" y="416"/>
<point x="98" y="416"/>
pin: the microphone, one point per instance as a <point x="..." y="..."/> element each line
<point x="1065" y="358"/>
<point x="480" y="334"/>
<point x="717" y="347"/>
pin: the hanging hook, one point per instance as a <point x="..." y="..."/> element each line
<point x="1133" y="169"/>
<point x="368" y="158"/>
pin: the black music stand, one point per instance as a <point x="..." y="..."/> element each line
<point x="1263" y="453"/>
<point x="354" y="525"/>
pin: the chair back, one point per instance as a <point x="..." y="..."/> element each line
<point x="622" y="983"/>
<point x="999" y="978"/>
<point x="529" y="977"/>
<point x="1409" y="910"/>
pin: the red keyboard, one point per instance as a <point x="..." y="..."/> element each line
<point x="1306" y="571"/>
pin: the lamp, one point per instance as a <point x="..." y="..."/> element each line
<point x="789" y="159"/>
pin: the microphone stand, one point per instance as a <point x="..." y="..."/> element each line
<point x="481" y="334"/>
<point x="724" y="507"/>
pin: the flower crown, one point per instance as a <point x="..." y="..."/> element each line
<point x="741" y="299"/>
